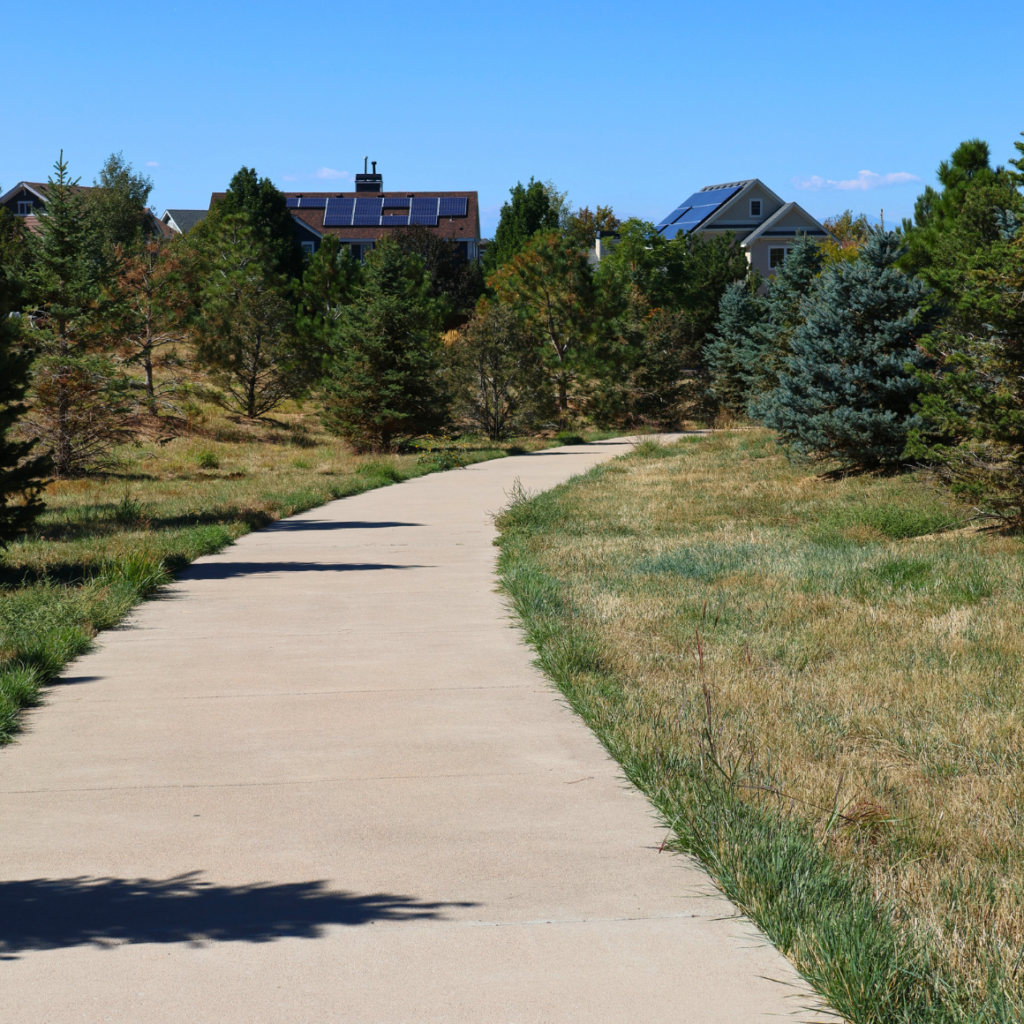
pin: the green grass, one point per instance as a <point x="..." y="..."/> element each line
<point x="816" y="682"/>
<point x="107" y="542"/>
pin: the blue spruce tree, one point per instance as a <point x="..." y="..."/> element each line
<point x="847" y="387"/>
<point x="752" y="340"/>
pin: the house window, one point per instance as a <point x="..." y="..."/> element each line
<point x="308" y="248"/>
<point x="755" y="207"/>
<point x="356" y="251"/>
<point x="25" y="208"/>
<point x="776" y="257"/>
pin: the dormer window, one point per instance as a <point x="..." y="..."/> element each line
<point x="755" y="207"/>
<point x="25" y="208"/>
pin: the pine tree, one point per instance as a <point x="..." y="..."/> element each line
<point x="384" y="381"/>
<point x="247" y="331"/>
<point x="329" y="284"/>
<point x="78" y="401"/>
<point x="266" y="210"/>
<point x="848" y="385"/>
<point x="22" y="477"/>
<point x="552" y="284"/>
<point x="973" y="405"/>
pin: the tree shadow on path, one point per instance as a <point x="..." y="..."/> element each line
<point x="54" y="913"/>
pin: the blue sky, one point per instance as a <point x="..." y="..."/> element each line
<point x="632" y="105"/>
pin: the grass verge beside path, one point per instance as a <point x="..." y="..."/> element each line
<point x="106" y="543"/>
<point x="818" y="684"/>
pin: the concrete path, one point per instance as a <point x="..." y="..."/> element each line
<point x="321" y="781"/>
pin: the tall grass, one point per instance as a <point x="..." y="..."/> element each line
<point x="816" y="682"/>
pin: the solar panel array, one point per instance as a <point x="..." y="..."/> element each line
<point x="695" y="210"/>
<point x="373" y="211"/>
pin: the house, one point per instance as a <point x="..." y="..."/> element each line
<point x="360" y="218"/>
<point x="181" y="222"/>
<point x="763" y="224"/>
<point x="28" y="198"/>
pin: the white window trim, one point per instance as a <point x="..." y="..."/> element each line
<point x="308" y="247"/>
<point x="758" y="201"/>
<point x="22" y="212"/>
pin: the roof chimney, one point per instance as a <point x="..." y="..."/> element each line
<point x="369" y="182"/>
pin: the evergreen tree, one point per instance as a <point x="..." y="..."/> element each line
<point x="384" y="381"/>
<point x="456" y="281"/>
<point x="733" y="352"/>
<point x="937" y="212"/>
<point x="329" y="283"/>
<point x="848" y="386"/>
<point x="973" y="405"/>
<point x="792" y="284"/>
<point x="22" y="477"/>
<point x="551" y="284"/>
<point x="117" y="205"/>
<point x="673" y="289"/>
<point x="247" y="331"/>
<point x="78" y="400"/>
<point x="266" y="209"/>
<point x="531" y="210"/>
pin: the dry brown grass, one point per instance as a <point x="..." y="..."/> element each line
<point x="863" y="663"/>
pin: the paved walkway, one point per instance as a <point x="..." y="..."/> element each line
<point x="321" y="781"/>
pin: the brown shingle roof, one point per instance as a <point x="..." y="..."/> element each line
<point x="458" y="228"/>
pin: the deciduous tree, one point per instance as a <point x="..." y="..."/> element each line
<point x="497" y="372"/>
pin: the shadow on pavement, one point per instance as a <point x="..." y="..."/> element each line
<point x="227" y="570"/>
<point x="54" y="913"/>
<point x="321" y="524"/>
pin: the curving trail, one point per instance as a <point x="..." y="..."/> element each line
<point x="320" y="780"/>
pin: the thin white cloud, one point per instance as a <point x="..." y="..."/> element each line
<point x="865" y="180"/>
<point x="152" y="163"/>
<point x="329" y="174"/>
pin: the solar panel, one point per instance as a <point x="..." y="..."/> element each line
<point x="428" y="220"/>
<point x="695" y="210"/>
<point x="393" y="222"/>
<point x="292" y="202"/>
<point x="674" y="215"/>
<point x="339" y="213"/>
<point x="366" y="206"/>
<point x="396" y="201"/>
<point x="313" y="202"/>
<point x="367" y="220"/>
<point x="452" y="207"/>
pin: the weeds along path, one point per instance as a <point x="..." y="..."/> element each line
<point x="319" y="779"/>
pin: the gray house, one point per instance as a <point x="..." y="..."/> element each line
<point x="764" y="224"/>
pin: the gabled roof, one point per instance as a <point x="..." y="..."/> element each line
<point x="37" y="189"/>
<point x="772" y="226"/>
<point x="698" y="208"/>
<point x="182" y="221"/>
